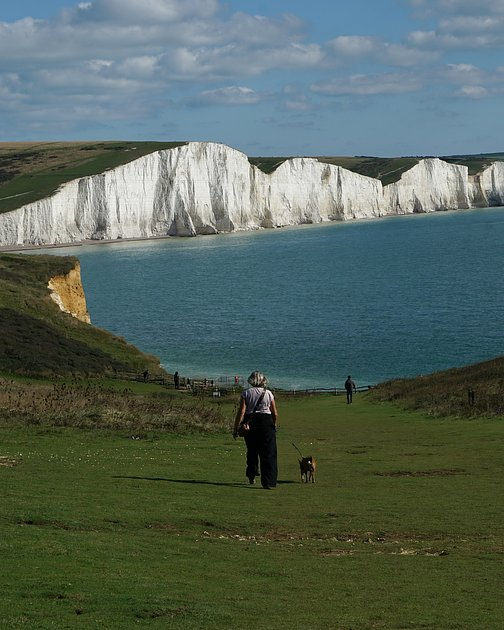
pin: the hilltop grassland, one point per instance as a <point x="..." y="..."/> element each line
<point x="402" y="529"/>
<point x="30" y="171"/>
<point x="387" y="170"/>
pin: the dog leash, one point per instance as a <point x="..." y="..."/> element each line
<point x="297" y="449"/>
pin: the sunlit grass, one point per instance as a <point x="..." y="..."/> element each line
<point x="403" y="528"/>
<point x="472" y="391"/>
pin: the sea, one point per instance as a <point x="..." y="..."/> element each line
<point x="377" y="299"/>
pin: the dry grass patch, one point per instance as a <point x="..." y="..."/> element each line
<point x="94" y="406"/>
<point x="7" y="461"/>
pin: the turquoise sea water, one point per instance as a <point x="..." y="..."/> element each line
<point x="376" y="299"/>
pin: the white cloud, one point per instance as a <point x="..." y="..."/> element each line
<point x="140" y="57"/>
<point x="459" y="6"/>
<point x="347" y="47"/>
<point x="456" y="40"/>
<point x="191" y="34"/>
<point x="464" y="73"/>
<point x="10" y="94"/>
<point x="471" y="24"/>
<point x="461" y="24"/>
<point x="231" y="95"/>
<point x="369" y="85"/>
<point x="144" y="12"/>
<point x="469" y="6"/>
<point x="354" y="45"/>
<point x="471" y="82"/>
<point x="85" y="79"/>
<point x="299" y="105"/>
<point x="234" y="60"/>
<point x="422" y="38"/>
<point x="472" y="92"/>
<point x="127" y="56"/>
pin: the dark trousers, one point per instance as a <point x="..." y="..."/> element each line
<point x="348" y="396"/>
<point x="262" y="449"/>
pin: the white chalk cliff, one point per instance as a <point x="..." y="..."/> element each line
<point x="207" y="188"/>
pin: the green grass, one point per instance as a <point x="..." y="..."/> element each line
<point x="267" y="164"/>
<point x="39" y="339"/>
<point x="33" y="171"/>
<point x="403" y="528"/>
<point x="475" y="163"/>
<point x="387" y="170"/>
<point x="136" y="408"/>
<point x="471" y="391"/>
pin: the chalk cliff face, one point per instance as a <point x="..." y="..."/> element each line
<point x="68" y="293"/>
<point x="491" y="184"/>
<point x="429" y="186"/>
<point x="207" y="188"/>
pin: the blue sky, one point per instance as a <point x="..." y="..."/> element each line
<point x="267" y="77"/>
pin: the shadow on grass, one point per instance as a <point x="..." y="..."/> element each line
<point x="204" y="482"/>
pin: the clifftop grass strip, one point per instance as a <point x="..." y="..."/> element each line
<point x="30" y="171"/>
<point x="33" y="171"/>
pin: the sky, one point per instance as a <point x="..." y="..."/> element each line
<point x="266" y="77"/>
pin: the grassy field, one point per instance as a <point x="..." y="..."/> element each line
<point x="403" y="528"/>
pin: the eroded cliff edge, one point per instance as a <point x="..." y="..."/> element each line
<point x="207" y="188"/>
<point x="68" y="293"/>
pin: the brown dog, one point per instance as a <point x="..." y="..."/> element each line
<point x="308" y="466"/>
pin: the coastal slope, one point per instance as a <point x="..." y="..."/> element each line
<point x="209" y="188"/>
<point x="44" y="323"/>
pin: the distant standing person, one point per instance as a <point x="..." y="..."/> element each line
<point x="350" y="389"/>
<point x="176" y="380"/>
<point x="259" y="402"/>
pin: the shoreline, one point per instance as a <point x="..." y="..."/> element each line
<point x="27" y="248"/>
<point x="139" y="239"/>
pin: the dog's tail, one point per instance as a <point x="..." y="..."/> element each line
<point x="297" y="449"/>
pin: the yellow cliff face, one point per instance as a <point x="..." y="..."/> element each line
<point x="68" y="293"/>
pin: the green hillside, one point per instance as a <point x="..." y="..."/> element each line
<point x="474" y="390"/>
<point x="475" y="163"/>
<point x="39" y="339"/>
<point x="387" y="170"/>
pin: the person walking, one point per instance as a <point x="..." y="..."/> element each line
<point x="258" y="408"/>
<point x="350" y="389"/>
